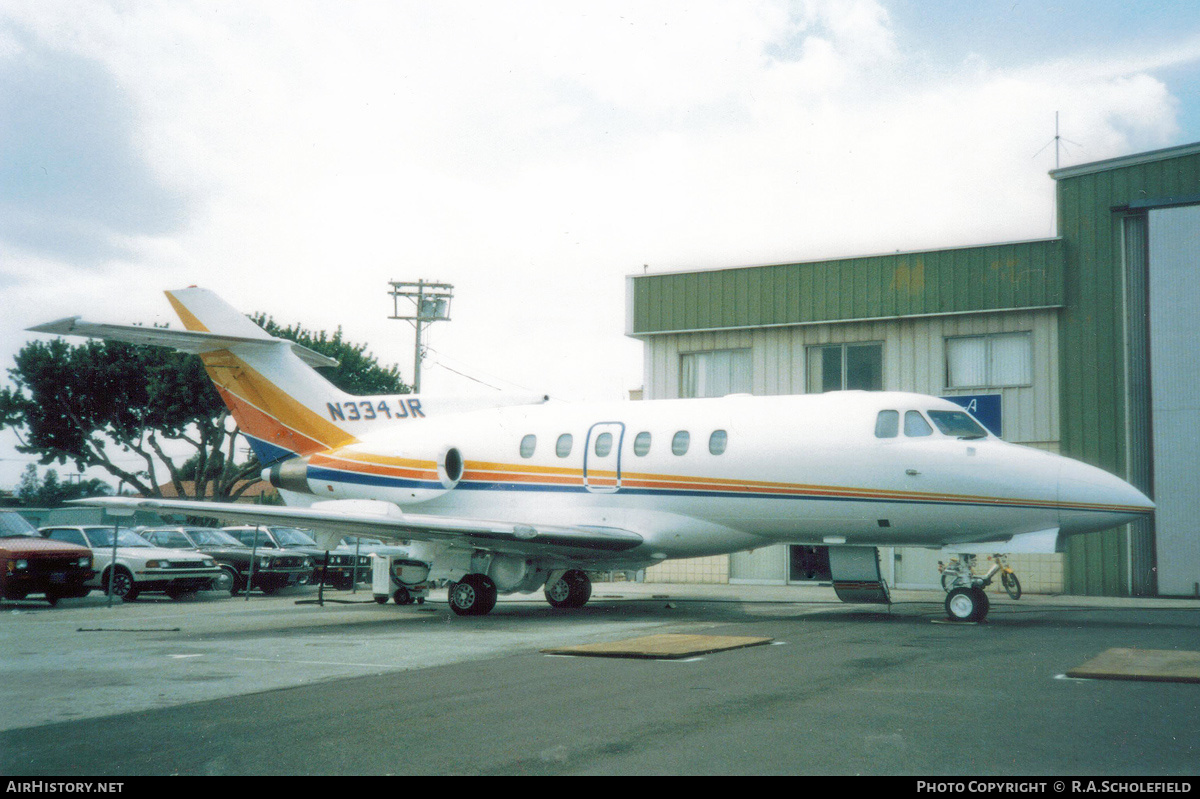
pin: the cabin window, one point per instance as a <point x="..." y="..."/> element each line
<point x="915" y="425"/>
<point x="680" y="442"/>
<point x="603" y="444"/>
<point x="887" y="424"/>
<point x="641" y="444"/>
<point x="562" y="448"/>
<point x="717" y="442"/>
<point x="957" y="423"/>
<point x="528" y="445"/>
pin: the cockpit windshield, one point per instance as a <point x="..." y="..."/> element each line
<point x="957" y="423"/>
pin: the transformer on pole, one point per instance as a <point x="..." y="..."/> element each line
<point x="431" y="303"/>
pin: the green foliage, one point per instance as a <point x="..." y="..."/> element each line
<point x="49" y="492"/>
<point x="358" y="372"/>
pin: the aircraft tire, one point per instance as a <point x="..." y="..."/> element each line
<point x="966" y="605"/>
<point x="473" y="595"/>
<point x="573" y="590"/>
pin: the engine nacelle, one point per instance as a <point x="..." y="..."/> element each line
<point x="354" y="472"/>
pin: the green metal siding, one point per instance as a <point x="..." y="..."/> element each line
<point x="997" y="277"/>
<point x="1092" y="338"/>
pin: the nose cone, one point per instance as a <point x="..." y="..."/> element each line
<point x="1092" y="499"/>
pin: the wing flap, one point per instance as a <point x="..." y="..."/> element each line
<point x="389" y="523"/>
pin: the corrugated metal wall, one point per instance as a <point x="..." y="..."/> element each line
<point x="1091" y="211"/>
<point x="1001" y="276"/>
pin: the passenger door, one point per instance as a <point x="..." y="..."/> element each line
<point x="602" y="458"/>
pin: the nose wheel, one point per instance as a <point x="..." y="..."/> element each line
<point x="967" y="604"/>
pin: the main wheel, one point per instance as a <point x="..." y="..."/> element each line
<point x="967" y="604"/>
<point x="572" y="590"/>
<point x="473" y="595"/>
<point x="1011" y="584"/>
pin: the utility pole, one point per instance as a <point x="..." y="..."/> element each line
<point x="431" y="303"/>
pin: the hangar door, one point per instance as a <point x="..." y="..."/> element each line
<point x="1174" y="300"/>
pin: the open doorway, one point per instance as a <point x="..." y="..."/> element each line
<point x="807" y="564"/>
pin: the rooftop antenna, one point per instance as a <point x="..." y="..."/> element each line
<point x="1057" y="141"/>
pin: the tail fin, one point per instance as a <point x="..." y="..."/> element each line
<point x="278" y="400"/>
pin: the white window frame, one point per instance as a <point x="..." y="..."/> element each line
<point x="695" y="381"/>
<point x="989" y="363"/>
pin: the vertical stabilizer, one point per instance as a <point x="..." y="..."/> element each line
<point x="280" y="403"/>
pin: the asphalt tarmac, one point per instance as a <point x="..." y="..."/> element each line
<point x="275" y="686"/>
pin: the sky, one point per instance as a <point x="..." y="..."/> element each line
<point x="297" y="156"/>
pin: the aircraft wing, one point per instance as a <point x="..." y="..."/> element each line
<point x="384" y="520"/>
<point x="190" y="341"/>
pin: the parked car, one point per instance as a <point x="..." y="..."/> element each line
<point x="341" y="562"/>
<point x="140" y="566"/>
<point x="29" y="564"/>
<point x="272" y="569"/>
<point x="364" y="548"/>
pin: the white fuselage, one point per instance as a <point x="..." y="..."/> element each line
<point x="755" y="471"/>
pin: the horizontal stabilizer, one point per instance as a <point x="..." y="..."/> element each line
<point x="190" y="341"/>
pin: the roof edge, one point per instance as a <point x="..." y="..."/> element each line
<point x="1126" y="161"/>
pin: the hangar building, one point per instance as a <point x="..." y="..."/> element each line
<point x="1085" y="344"/>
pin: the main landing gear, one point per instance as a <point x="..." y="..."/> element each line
<point x="475" y="594"/>
<point x="572" y="590"/>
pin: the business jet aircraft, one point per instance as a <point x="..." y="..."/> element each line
<point x="528" y="493"/>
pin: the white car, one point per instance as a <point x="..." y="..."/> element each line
<point x="140" y="565"/>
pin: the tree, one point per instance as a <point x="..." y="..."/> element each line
<point x="49" y="492"/>
<point x="75" y="402"/>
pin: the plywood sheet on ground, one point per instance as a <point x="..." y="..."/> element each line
<point x="1160" y="665"/>
<point x="666" y="646"/>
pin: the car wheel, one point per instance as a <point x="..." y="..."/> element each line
<point x="121" y="584"/>
<point x="228" y="581"/>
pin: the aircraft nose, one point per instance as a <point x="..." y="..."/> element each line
<point x="1091" y="499"/>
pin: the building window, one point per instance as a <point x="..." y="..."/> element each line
<point x="840" y="367"/>
<point x="995" y="361"/>
<point x="714" y="374"/>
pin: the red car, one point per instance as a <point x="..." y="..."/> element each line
<point x="30" y="564"/>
